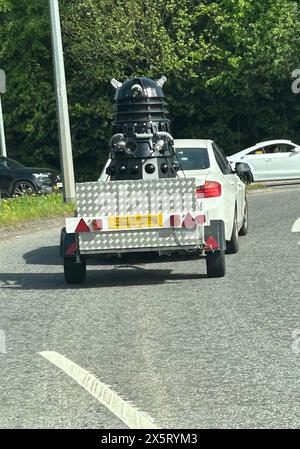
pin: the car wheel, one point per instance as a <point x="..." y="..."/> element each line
<point x="75" y="273"/>
<point x="22" y="188"/>
<point x="232" y="246"/>
<point x="215" y="264"/>
<point x="244" y="228"/>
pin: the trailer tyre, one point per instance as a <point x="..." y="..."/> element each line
<point x="75" y="273"/>
<point x="215" y="264"/>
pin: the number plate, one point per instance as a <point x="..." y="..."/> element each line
<point x="135" y="221"/>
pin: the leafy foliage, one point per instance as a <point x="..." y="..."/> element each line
<point x="228" y="65"/>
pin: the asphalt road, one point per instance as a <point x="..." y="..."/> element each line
<point x="191" y="352"/>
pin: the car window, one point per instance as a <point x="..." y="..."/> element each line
<point x="193" y="158"/>
<point x="257" y="151"/>
<point x="285" y="148"/>
<point x="221" y="160"/>
<point x="6" y="162"/>
<point x="279" y="148"/>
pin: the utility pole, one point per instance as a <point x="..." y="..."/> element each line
<point x="65" y="144"/>
<point x="2" y="134"/>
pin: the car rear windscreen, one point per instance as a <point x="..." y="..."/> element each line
<point x="193" y="158"/>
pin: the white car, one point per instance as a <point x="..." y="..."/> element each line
<point x="271" y="160"/>
<point x="223" y="193"/>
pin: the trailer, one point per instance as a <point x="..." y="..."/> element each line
<point x="162" y="217"/>
<point x="145" y="207"/>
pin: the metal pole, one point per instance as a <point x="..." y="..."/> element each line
<point x="65" y="144"/>
<point x="2" y="134"/>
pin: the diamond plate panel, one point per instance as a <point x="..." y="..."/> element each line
<point x="137" y="197"/>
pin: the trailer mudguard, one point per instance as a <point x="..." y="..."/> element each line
<point x="214" y="236"/>
<point x="68" y="244"/>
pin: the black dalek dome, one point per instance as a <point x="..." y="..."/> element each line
<point x="139" y="102"/>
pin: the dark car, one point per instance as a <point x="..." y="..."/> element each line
<point x="16" y="179"/>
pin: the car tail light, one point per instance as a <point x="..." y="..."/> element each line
<point x="209" y="190"/>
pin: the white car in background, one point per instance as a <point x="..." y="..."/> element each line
<point x="223" y="191"/>
<point x="271" y="160"/>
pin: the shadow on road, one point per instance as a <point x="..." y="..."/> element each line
<point x="47" y="255"/>
<point x="117" y="277"/>
<point x="129" y="272"/>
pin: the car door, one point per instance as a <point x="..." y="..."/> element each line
<point x="259" y="162"/>
<point x="283" y="162"/>
<point x="234" y="189"/>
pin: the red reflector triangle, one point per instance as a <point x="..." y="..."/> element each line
<point x="82" y="227"/>
<point x="212" y="243"/>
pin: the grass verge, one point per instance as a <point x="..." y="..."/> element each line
<point x="255" y="186"/>
<point x="28" y="208"/>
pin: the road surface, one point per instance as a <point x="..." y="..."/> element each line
<point x="188" y="351"/>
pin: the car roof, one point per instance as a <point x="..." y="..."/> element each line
<point x="272" y="142"/>
<point x="192" y="143"/>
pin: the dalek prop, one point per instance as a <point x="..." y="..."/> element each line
<point x="141" y="146"/>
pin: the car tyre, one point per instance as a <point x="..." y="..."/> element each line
<point x="232" y="247"/>
<point x="215" y="264"/>
<point x="75" y="273"/>
<point x="244" y="228"/>
<point x="22" y="188"/>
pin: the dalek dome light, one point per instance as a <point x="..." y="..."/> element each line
<point x="139" y="88"/>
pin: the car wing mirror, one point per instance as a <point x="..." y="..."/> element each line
<point x="242" y="167"/>
<point x="244" y="172"/>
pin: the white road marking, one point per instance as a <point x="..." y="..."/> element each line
<point x="296" y="226"/>
<point x="126" y="412"/>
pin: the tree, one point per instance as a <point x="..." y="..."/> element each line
<point x="228" y="64"/>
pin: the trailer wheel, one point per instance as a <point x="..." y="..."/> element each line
<point x="215" y="264"/>
<point x="75" y="273"/>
